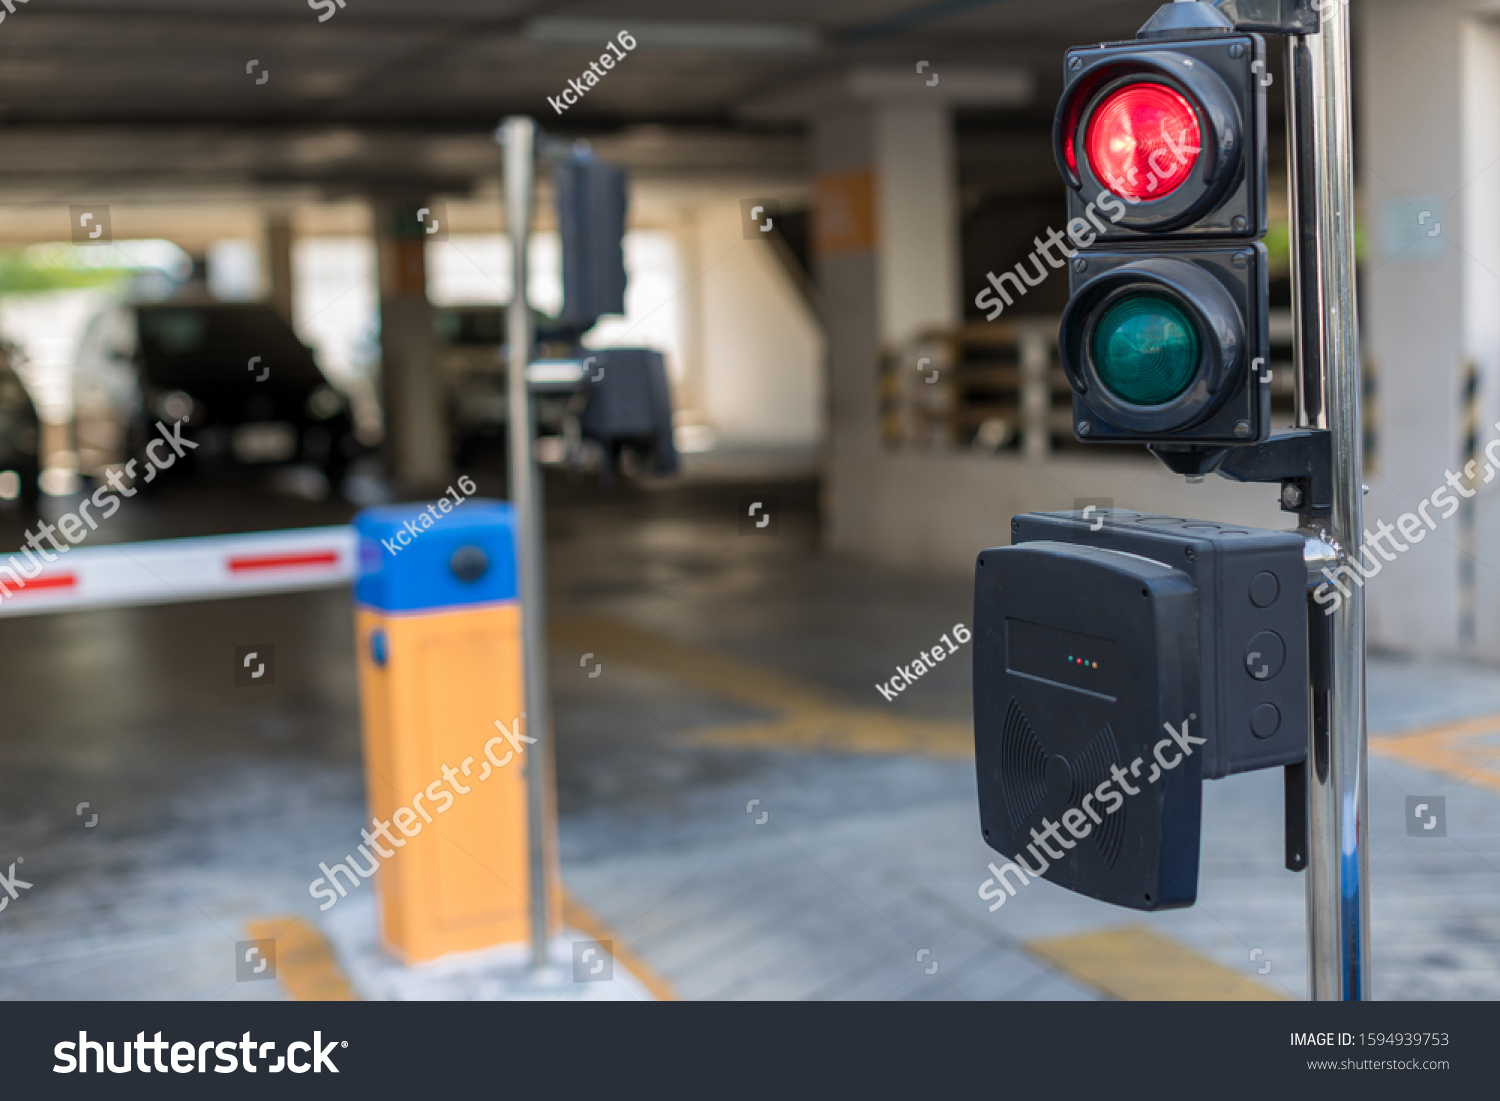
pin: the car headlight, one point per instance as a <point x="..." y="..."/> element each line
<point x="324" y="402"/>
<point x="176" y="406"/>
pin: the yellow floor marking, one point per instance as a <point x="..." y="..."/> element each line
<point x="305" y="963"/>
<point x="735" y="680"/>
<point x="810" y="718"/>
<point x="578" y="916"/>
<point x="847" y="731"/>
<point x="1455" y="749"/>
<point x="1133" y="964"/>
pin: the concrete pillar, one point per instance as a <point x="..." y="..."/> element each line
<point x="692" y="392"/>
<point x="412" y="393"/>
<point x="278" y="263"/>
<point x="916" y="219"/>
<point x="886" y="255"/>
<point x="1428" y="107"/>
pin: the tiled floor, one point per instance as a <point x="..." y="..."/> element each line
<point x="752" y="866"/>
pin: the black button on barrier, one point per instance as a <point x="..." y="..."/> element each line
<point x="469" y="563"/>
<point x="1265" y="655"/>
<point x="1264" y="589"/>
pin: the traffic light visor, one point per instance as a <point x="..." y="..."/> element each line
<point x="1143" y="140"/>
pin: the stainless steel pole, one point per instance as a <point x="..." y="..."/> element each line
<point x="1328" y="396"/>
<point x="518" y="135"/>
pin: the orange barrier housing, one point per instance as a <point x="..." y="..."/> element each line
<point x="449" y="782"/>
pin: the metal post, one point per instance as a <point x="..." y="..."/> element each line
<point x="518" y="135"/>
<point x="1328" y="396"/>
<point x="1036" y="348"/>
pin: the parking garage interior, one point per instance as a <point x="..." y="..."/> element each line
<point x="817" y="195"/>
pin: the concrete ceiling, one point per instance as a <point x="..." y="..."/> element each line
<point x="152" y="97"/>
<point x="464" y="63"/>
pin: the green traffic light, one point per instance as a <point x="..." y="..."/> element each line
<point x="1146" y="349"/>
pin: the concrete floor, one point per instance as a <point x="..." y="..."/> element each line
<point x="738" y="865"/>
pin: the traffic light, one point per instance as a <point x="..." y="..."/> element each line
<point x="591" y="203"/>
<point x="1120" y="659"/>
<point x="1162" y="143"/>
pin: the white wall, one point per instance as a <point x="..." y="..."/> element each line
<point x="937" y="511"/>
<point x="1428" y="124"/>
<point x="1429" y="130"/>
<point x="335" y="300"/>
<point x="761" y="348"/>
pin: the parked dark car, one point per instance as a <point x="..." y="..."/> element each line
<point x="250" y="393"/>
<point x="20" y="436"/>
<point x="467" y="345"/>
<point x="471" y="358"/>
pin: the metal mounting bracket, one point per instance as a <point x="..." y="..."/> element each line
<point x="1301" y="459"/>
<point x="1273" y="16"/>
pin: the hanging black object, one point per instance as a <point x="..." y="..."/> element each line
<point x="591" y="205"/>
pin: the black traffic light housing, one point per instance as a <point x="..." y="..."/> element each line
<point x="1166" y="338"/>
<point x="1122" y="658"/>
<point x="1222" y="77"/>
<point x="1224" y="293"/>
<point x="1117" y="650"/>
<point x="1062" y="698"/>
<point x="591" y="208"/>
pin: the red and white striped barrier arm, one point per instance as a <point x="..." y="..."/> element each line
<point x="176" y="570"/>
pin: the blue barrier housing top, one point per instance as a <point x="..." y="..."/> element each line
<point x="412" y="559"/>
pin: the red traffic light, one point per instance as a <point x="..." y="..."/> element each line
<point x="1165" y="136"/>
<point x="1143" y="140"/>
